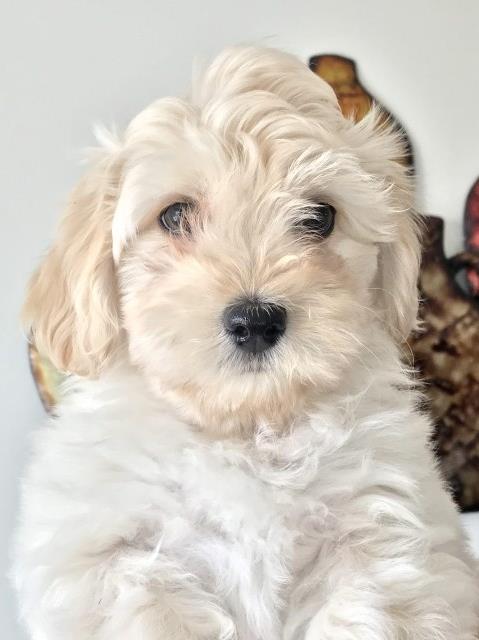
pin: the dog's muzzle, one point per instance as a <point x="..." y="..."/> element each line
<point x="255" y="326"/>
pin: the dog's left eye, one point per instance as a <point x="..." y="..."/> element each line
<point x="173" y="218"/>
<point x="319" y="220"/>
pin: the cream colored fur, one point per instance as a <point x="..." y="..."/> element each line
<point x="184" y="492"/>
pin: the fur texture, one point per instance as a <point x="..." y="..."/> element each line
<point x="185" y="492"/>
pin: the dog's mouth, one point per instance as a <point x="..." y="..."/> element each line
<point x="248" y="363"/>
<point x="255" y="363"/>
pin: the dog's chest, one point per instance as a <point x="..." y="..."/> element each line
<point x="249" y="528"/>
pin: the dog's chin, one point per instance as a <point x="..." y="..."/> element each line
<point x="247" y="393"/>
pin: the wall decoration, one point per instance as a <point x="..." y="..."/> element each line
<point x="471" y="232"/>
<point x="47" y="378"/>
<point x="446" y="352"/>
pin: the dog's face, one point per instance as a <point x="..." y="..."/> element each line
<point x="240" y="246"/>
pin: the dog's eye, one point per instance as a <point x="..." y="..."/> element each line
<point x="173" y="218"/>
<point x="319" y="220"/>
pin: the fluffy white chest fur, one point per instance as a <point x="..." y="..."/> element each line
<point x="240" y="454"/>
<point x="142" y="527"/>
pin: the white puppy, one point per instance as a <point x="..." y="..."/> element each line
<point x="240" y="453"/>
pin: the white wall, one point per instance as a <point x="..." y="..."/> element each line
<point x="66" y="64"/>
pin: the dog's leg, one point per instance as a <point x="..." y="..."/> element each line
<point x="388" y="581"/>
<point x="415" y="607"/>
<point x="352" y="612"/>
<point x="120" y="591"/>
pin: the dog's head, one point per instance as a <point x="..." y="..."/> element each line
<point x="240" y="246"/>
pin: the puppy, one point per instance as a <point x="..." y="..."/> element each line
<point x="239" y="452"/>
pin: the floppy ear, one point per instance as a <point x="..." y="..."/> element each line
<point x="382" y="149"/>
<point x="399" y="262"/>
<point x="71" y="308"/>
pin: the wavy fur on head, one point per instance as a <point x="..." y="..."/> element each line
<point x="186" y="490"/>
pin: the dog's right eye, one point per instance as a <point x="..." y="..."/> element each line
<point x="173" y="219"/>
<point x="319" y="220"/>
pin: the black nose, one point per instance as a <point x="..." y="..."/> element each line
<point x="255" y="326"/>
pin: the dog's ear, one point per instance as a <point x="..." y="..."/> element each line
<point x="382" y="150"/>
<point x="71" y="310"/>
<point x="399" y="262"/>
